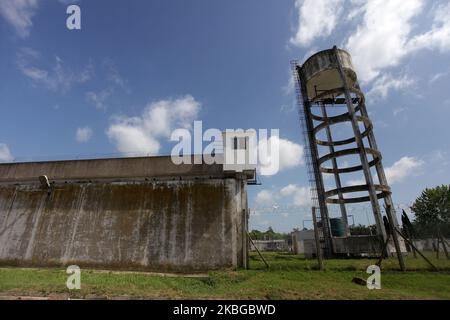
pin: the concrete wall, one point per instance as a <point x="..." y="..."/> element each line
<point x="190" y="220"/>
<point x="354" y="246"/>
<point x="429" y="245"/>
<point x="298" y="238"/>
<point x="270" y="245"/>
<point x="115" y="168"/>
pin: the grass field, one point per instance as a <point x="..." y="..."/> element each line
<point x="289" y="277"/>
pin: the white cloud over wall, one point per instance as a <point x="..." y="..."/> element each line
<point x="5" y="153"/>
<point x="141" y="134"/>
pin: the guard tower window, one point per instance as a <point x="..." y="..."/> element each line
<point x="239" y="143"/>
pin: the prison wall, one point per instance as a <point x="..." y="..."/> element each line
<point x="130" y="214"/>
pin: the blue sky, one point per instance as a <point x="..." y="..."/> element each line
<point x="139" y="69"/>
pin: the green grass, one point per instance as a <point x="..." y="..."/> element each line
<point x="289" y="277"/>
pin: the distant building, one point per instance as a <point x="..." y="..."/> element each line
<point x="298" y="240"/>
<point x="271" y="245"/>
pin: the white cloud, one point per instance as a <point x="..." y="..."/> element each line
<point x="289" y="88"/>
<point x="386" y="82"/>
<point x="58" y="78"/>
<point x="385" y="36"/>
<point x="403" y="168"/>
<point x="301" y="196"/>
<point x="5" y="154"/>
<point x="317" y="18"/>
<point x="113" y="74"/>
<point x="18" y="13"/>
<point x="288" y="108"/>
<point x="139" y="135"/>
<point x="438" y="158"/>
<point x="397" y="111"/>
<point x="131" y="139"/>
<point x="291" y="194"/>
<point x="385" y="33"/>
<point x="83" y="134"/>
<point x="291" y="155"/>
<point x="380" y="40"/>
<point x="356" y="182"/>
<point x="98" y="99"/>
<point x="264" y="197"/>
<point x="288" y="190"/>
<point x="437" y="77"/>
<point x="115" y="81"/>
<point x="439" y="35"/>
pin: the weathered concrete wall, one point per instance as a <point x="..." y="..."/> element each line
<point x="298" y="238"/>
<point x="429" y="245"/>
<point x="196" y="223"/>
<point x="355" y="246"/>
<point x="116" y="168"/>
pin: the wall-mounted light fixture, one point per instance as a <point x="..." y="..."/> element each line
<point x="44" y="182"/>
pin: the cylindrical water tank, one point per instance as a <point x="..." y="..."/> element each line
<point x="321" y="71"/>
<point x="337" y="227"/>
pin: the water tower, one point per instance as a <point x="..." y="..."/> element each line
<point x="330" y="103"/>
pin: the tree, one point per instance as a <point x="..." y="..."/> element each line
<point x="256" y="235"/>
<point x="360" y="230"/>
<point x="270" y="234"/>
<point x="432" y="212"/>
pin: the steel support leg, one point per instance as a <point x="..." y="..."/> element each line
<point x="362" y="151"/>
<point x="337" y="178"/>
<point x="325" y="219"/>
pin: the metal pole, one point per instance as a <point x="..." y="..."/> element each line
<point x="395" y="238"/>
<point x="411" y="244"/>
<point x="383" y="250"/>
<point x="444" y="247"/>
<point x="316" y="236"/>
<point x="383" y="181"/>
<point x="317" y="175"/>
<point x="254" y="245"/>
<point x="362" y="152"/>
<point x="408" y="235"/>
<point x="379" y="165"/>
<point x="337" y="178"/>
<point x="437" y="247"/>
<point x="245" y="211"/>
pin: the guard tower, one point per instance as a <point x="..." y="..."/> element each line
<point x="329" y="97"/>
